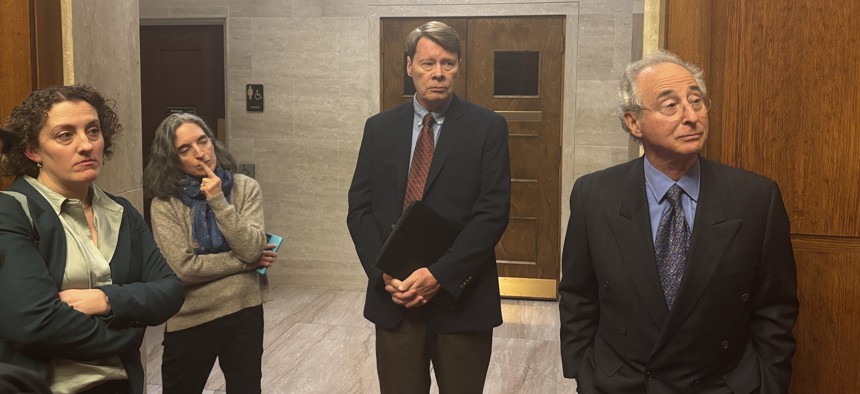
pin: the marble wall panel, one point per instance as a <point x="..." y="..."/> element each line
<point x="595" y="158"/>
<point x="353" y="50"/>
<point x="312" y="229"/>
<point x="330" y="8"/>
<point x="597" y="122"/>
<point x="596" y="56"/>
<point x="623" y="43"/>
<point x="328" y="274"/>
<point x="242" y="149"/>
<point x="304" y="48"/>
<point x="154" y="12"/>
<point x="261" y="8"/>
<point x="333" y="109"/>
<point x="239" y="47"/>
<point x="199" y="12"/>
<point x="181" y="3"/>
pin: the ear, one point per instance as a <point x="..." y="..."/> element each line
<point x="408" y="66"/>
<point x="632" y="122"/>
<point x="32" y="153"/>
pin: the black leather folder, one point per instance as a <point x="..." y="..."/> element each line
<point x="420" y="237"/>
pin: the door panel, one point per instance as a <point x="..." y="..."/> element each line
<point x="515" y="67"/>
<point x="180" y="67"/>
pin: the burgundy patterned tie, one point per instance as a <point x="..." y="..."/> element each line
<point x="421" y="158"/>
<point x="673" y="240"/>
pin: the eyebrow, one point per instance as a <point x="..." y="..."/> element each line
<point x="204" y="136"/>
<point x="668" y="92"/>
<point x="89" y="124"/>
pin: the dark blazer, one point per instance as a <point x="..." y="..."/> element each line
<point x="37" y="327"/>
<point x="469" y="184"/>
<point x="729" y="330"/>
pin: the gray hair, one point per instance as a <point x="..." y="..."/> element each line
<point x="164" y="169"/>
<point x="630" y="99"/>
<point x="437" y="32"/>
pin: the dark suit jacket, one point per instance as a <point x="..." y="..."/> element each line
<point x="37" y="327"/>
<point x="469" y="184"/>
<point x="730" y="327"/>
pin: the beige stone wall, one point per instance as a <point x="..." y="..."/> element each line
<point x="105" y="53"/>
<point x="319" y="62"/>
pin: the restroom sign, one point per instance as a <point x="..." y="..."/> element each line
<point x="254" y="97"/>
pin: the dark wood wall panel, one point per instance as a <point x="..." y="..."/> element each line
<point x="827" y="328"/>
<point x="785" y="83"/>
<point x="16" y="67"/>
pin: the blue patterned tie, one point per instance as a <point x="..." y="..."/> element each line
<point x="673" y="239"/>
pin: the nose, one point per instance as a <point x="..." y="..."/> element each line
<point x="198" y="152"/>
<point x="688" y="114"/>
<point x="437" y="72"/>
<point x="85" y="145"/>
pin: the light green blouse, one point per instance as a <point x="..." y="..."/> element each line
<point x="87" y="267"/>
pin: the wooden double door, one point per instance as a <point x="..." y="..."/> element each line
<point x="513" y="65"/>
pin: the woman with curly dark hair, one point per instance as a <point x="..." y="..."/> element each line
<point x="80" y="274"/>
<point x="208" y="222"/>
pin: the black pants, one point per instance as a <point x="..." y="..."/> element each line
<point x="403" y="356"/>
<point x="236" y="340"/>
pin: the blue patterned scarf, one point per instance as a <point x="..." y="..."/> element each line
<point x="204" y="229"/>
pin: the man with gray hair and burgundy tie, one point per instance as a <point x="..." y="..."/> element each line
<point x="678" y="274"/>
<point x="453" y="156"/>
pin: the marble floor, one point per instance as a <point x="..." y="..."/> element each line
<point x="317" y="341"/>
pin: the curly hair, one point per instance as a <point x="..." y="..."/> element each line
<point x="164" y="169"/>
<point x="28" y="118"/>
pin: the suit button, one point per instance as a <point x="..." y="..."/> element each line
<point x="724" y="344"/>
<point x="605" y="285"/>
<point x="745" y="297"/>
<point x="622" y="330"/>
<point x="393" y="226"/>
<point x="648" y="376"/>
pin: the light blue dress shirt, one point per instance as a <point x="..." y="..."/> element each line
<point x="656" y="186"/>
<point x="419" y="118"/>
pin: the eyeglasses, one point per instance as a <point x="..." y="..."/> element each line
<point x="671" y="108"/>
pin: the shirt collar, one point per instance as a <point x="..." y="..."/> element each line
<point x="660" y="183"/>
<point x="56" y="200"/>
<point x="438" y="116"/>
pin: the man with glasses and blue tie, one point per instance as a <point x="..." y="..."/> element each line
<point x="678" y="274"/>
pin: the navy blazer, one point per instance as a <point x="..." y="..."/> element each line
<point x="469" y="183"/>
<point x="729" y="330"/>
<point x="37" y="327"/>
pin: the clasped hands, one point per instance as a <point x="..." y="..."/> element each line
<point x="413" y="291"/>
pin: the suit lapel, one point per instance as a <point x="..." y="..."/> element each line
<point x="52" y="235"/>
<point x="450" y="132"/>
<point x="631" y="226"/>
<point x="123" y="253"/>
<point x="711" y="237"/>
<point x="402" y="148"/>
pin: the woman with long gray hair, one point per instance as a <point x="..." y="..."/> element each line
<point x="208" y="222"/>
